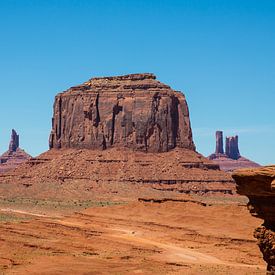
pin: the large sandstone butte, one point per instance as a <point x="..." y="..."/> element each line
<point x="134" y="111"/>
<point x="14" y="156"/>
<point x="120" y="132"/>
<point x="230" y="160"/>
<point x="259" y="186"/>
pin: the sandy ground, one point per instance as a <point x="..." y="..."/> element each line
<point x="132" y="238"/>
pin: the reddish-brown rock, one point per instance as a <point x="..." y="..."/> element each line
<point x="14" y="156"/>
<point x="134" y="111"/>
<point x="259" y="186"/>
<point x="231" y="160"/>
<point x="138" y="120"/>
<point x="81" y="171"/>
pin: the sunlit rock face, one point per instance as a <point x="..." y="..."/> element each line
<point x="134" y="111"/>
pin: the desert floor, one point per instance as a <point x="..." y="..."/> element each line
<point x="197" y="235"/>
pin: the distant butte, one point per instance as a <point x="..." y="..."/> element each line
<point x="230" y="160"/>
<point x="14" y="156"/>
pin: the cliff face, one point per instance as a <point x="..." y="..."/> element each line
<point x="259" y="186"/>
<point x="134" y="111"/>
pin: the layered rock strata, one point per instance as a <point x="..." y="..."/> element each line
<point x="230" y="160"/>
<point x="82" y="171"/>
<point x="259" y="186"/>
<point x="14" y="156"/>
<point x="134" y="111"/>
<point x="144" y="127"/>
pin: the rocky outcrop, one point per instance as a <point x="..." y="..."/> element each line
<point x="14" y="156"/>
<point x="219" y="142"/>
<point x="232" y="159"/>
<point x="14" y="142"/>
<point x="259" y="186"/>
<point x="232" y="147"/>
<point x="179" y="171"/>
<point x="135" y="117"/>
<point x="134" y="111"/>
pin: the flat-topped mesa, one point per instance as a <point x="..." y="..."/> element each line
<point x="219" y="142"/>
<point x="134" y="111"/>
<point x="232" y="147"/>
<point x="14" y="142"/>
<point x="128" y="77"/>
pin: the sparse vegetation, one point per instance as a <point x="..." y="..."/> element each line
<point x="223" y="200"/>
<point x="64" y="206"/>
<point x="12" y="218"/>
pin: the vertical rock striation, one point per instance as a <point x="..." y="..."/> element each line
<point x="232" y="147"/>
<point x="219" y="142"/>
<point x="14" y="142"/>
<point x="134" y="111"/>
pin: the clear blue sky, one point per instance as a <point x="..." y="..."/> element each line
<point x="221" y="54"/>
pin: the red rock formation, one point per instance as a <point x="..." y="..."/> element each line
<point x="232" y="147"/>
<point x="179" y="171"/>
<point x="219" y="142"/>
<point x="14" y="143"/>
<point x="133" y="117"/>
<point x="231" y="160"/>
<point x="259" y="186"/>
<point x="134" y="111"/>
<point x="14" y="156"/>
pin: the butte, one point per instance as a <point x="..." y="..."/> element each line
<point x="124" y="136"/>
<point x="230" y="159"/>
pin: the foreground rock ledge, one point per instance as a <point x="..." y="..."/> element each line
<point x="259" y="186"/>
<point x="134" y="111"/>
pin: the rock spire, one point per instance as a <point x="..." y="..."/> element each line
<point x="231" y="159"/>
<point x="219" y="142"/>
<point x="232" y="147"/>
<point x="14" y="156"/>
<point x="14" y="142"/>
<point x="258" y="185"/>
